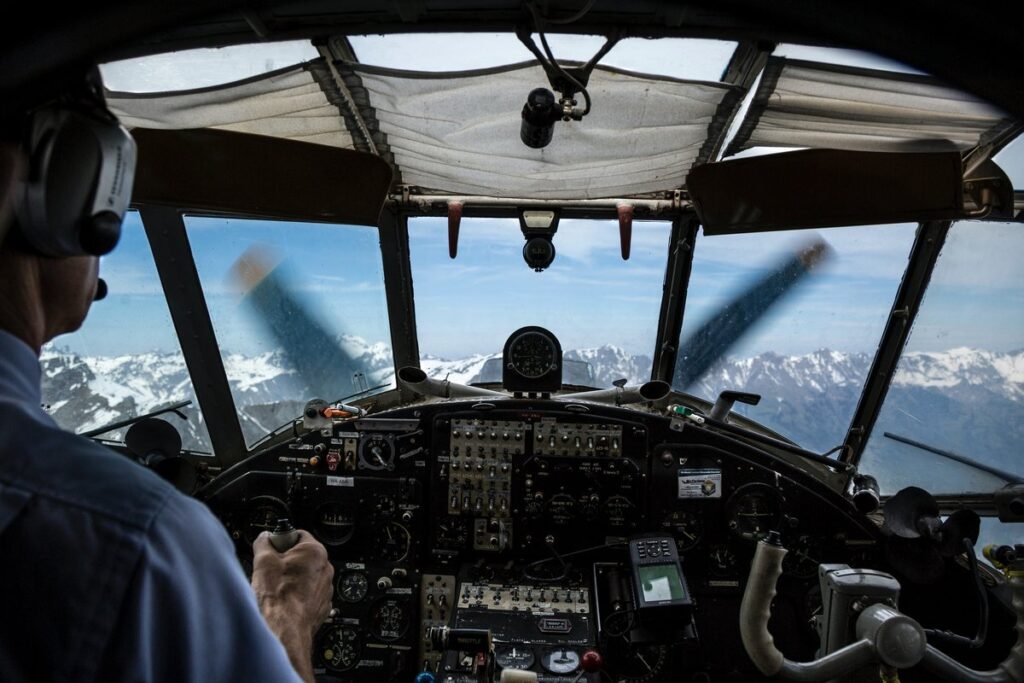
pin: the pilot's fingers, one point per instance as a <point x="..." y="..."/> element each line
<point x="309" y="549"/>
<point x="262" y="544"/>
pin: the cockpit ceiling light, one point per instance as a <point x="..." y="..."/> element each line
<point x="538" y="219"/>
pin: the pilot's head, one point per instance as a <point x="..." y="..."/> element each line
<point x="66" y="172"/>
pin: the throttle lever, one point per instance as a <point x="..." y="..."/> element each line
<point x="284" y="535"/>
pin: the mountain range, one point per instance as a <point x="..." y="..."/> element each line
<point x="965" y="400"/>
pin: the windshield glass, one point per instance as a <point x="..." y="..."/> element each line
<point x="959" y="386"/>
<point x="299" y="312"/>
<point x="604" y="310"/>
<point x="808" y="353"/>
<point x="125" y="360"/>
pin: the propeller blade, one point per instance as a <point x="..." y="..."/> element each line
<point x="319" y="359"/>
<point x="713" y="339"/>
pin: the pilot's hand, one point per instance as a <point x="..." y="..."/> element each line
<point x="294" y="590"/>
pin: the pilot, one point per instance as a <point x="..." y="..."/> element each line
<point x="107" y="573"/>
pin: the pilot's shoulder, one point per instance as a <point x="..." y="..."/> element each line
<point x="45" y="461"/>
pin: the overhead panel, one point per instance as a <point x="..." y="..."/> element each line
<point x="807" y="104"/>
<point x="288" y="104"/>
<point x="458" y="132"/>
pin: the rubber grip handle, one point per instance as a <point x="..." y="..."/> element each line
<point x="755" y="609"/>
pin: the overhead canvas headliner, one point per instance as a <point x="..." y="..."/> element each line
<point x="288" y="103"/>
<point x="457" y="133"/>
<point x="807" y="104"/>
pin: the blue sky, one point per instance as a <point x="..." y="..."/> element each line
<point x="589" y="297"/>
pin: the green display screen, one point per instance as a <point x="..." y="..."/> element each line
<point x="660" y="583"/>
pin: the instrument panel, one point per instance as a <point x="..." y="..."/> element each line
<point x="512" y="516"/>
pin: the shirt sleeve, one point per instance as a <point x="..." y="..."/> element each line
<point x="189" y="614"/>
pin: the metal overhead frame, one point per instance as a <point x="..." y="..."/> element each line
<point x="397" y="266"/>
<point x="923" y="256"/>
<point x="673" y="297"/>
<point x="168" y="240"/>
<point x="745" y="65"/>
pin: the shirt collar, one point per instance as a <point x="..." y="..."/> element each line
<point x="20" y="374"/>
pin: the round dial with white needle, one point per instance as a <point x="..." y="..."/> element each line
<point x="685" y="526"/>
<point x="352" y="586"/>
<point x="393" y="541"/>
<point x="376" y="452"/>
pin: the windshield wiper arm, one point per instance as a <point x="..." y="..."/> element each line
<point x="962" y="459"/>
<point x="173" y="408"/>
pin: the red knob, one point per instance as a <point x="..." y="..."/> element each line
<point x="592" y="662"/>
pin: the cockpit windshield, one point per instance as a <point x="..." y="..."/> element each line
<point x="328" y="276"/>
<point x="959" y="386"/>
<point x="603" y="309"/>
<point x="806" y="353"/>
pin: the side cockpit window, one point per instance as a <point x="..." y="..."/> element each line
<point x="125" y="360"/>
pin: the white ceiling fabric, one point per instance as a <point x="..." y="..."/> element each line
<point x="284" y="104"/>
<point x="804" y="104"/>
<point x="459" y="132"/>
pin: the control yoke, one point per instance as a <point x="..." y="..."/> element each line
<point x="881" y="633"/>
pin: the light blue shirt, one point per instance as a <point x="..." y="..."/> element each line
<point x="106" y="572"/>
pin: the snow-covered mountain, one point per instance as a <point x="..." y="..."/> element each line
<point x="965" y="399"/>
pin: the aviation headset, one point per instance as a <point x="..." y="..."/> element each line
<point x="81" y="165"/>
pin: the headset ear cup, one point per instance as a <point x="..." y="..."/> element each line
<point x="79" y="186"/>
<point x="101" y="233"/>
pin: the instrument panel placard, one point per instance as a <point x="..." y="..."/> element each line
<point x="700" y="483"/>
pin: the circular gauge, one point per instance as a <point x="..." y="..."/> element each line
<point x="803" y="558"/>
<point x="513" y="656"/>
<point x="352" y="586"/>
<point x="561" y="509"/>
<point x="686" y="527"/>
<point x="619" y="511"/>
<point x="392" y="543"/>
<point x="754" y="510"/>
<point x="384" y="506"/>
<point x="389" y="619"/>
<point x="532" y="355"/>
<point x="721" y="560"/>
<point x="376" y="452"/>
<point x="339" y="648"/>
<point x="335" y="524"/>
<point x="560" y="661"/>
<point x="262" y="515"/>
